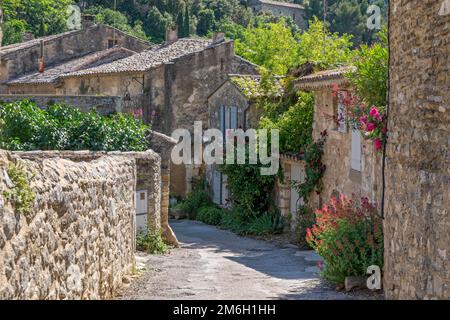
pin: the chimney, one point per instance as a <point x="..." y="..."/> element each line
<point x="218" y="37"/>
<point x="41" y="58"/>
<point x="27" y="36"/>
<point x="171" y="35"/>
<point x="87" y="20"/>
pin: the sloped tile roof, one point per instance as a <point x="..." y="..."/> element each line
<point x="323" y="78"/>
<point x="52" y="74"/>
<point x="150" y="58"/>
<point x="282" y="4"/>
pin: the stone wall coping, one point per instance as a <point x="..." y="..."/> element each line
<point x="34" y="95"/>
<point x="85" y="154"/>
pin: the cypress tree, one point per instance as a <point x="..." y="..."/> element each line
<point x="186" y="22"/>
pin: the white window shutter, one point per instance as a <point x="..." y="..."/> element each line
<point x="356" y="150"/>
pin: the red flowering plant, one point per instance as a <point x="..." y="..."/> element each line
<point x="348" y="235"/>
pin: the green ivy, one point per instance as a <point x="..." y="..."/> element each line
<point x="314" y="169"/>
<point x="20" y="194"/>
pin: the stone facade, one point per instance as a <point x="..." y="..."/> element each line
<point x="22" y="58"/>
<point x="78" y="240"/>
<point x="103" y="104"/>
<point x="281" y="9"/>
<point x="417" y="218"/>
<point x="341" y="176"/>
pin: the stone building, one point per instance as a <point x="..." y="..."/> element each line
<point x="353" y="165"/>
<point x="101" y="67"/>
<point x="417" y="216"/>
<point x="281" y="9"/>
<point x="232" y="106"/>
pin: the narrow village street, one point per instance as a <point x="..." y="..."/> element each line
<point x="217" y="264"/>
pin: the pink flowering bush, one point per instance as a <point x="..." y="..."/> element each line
<point x="348" y="235"/>
<point x="369" y="120"/>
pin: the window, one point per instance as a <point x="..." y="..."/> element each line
<point x="356" y="150"/>
<point x="112" y="43"/>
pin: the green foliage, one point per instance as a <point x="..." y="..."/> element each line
<point x="206" y="22"/>
<point x="249" y="190"/>
<point x="271" y="45"/>
<point x="305" y="219"/>
<point x="118" y="20"/>
<point x="24" y="126"/>
<point x="371" y="77"/>
<point x="195" y="200"/>
<point x="274" y="46"/>
<point x="156" y="24"/>
<point x="13" y="30"/>
<point x="210" y="215"/>
<point x="323" y="48"/>
<point x="20" y="195"/>
<point x="266" y="224"/>
<point x="151" y="242"/>
<point x="347" y="16"/>
<point x="295" y="124"/>
<point x="314" y="169"/>
<point x="40" y="17"/>
<point x="348" y="235"/>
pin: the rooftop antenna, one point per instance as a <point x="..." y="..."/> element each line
<point x="114" y="23"/>
<point x="324" y="27"/>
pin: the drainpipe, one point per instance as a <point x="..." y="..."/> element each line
<point x="41" y="58"/>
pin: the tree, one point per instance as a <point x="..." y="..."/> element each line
<point x="271" y="45"/>
<point x="276" y="47"/>
<point x="186" y="23"/>
<point x="41" y="17"/>
<point x="341" y="12"/>
<point x="157" y="23"/>
<point x="118" y="20"/>
<point x="12" y="31"/>
<point x="206" y="21"/>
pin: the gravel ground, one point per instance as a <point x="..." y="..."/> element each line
<point x="217" y="264"/>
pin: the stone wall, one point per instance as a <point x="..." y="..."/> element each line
<point x="78" y="240"/>
<point x="417" y="218"/>
<point x="281" y="10"/>
<point x="103" y="104"/>
<point x="339" y="177"/>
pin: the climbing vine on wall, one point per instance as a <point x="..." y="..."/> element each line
<point x="19" y="191"/>
<point x="314" y="168"/>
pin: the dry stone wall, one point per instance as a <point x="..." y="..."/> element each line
<point x="417" y="222"/>
<point x="77" y="241"/>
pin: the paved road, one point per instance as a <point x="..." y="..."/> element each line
<point x="217" y="264"/>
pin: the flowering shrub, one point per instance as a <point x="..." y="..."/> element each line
<point x="366" y="106"/>
<point x="369" y="120"/>
<point x="348" y="235"/>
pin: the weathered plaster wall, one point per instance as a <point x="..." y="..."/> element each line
<point x="103" y="104"/>
<point x="417" y="222"/>
<point x="78" y="240"/>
